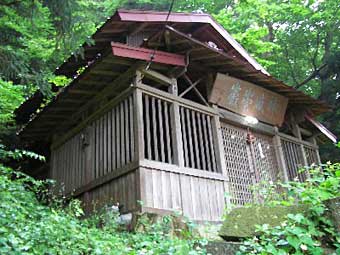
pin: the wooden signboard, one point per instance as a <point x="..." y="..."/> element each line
<point x="248" y="99"/>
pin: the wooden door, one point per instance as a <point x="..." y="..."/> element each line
<point x="247" y="163"/>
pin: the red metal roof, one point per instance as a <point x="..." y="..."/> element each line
<point x="201" y="27"/>
<point x="151" y="16"/>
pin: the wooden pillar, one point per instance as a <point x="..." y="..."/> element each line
<point x="176" y="130"/>
<point x="219" y="151"/>
<point x="138" y="120"/>
<point x="139" y="141"/>
<point x="279" y="155"/>
<point x="313" y="140"/>
<point x="297" y="133"/>
<point x="218" y="143"/>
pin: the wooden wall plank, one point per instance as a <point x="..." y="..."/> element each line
<point x="186" y="196"/>
<point x="127" y="131"/>
<point x="105" y="145"/>
<point x="118" y="140"/>
<point x="113" y="140"/>
<point x="122" y="133"/>
<point x="175" y="191"/>
<point x="196" y="198"/>
<point x="109" y="142"/>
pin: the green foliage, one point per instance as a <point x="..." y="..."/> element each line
<point x="308" y="233"/>
<point x="27" y="226"/>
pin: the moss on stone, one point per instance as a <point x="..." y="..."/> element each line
<point x="241" y="222"/>
<point x="333" y="212"/>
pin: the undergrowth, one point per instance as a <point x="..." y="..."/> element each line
<point x="309" y="233"/>
<point x="29" y="226"/>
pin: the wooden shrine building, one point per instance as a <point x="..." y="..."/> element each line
<point x="174" y="114"/>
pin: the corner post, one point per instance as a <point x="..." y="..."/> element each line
<point x="219" y="151"/>
<point x="279" y="154"/>
<point x="176" y="130"/>
<point x="138" y="119"/>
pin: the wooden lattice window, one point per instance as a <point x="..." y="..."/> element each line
<point x="247" y="164"/>
<point x="293" y="157"/>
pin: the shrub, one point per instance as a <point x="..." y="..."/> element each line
<point x="27" y="226"/>
<point x="309" y="233"/>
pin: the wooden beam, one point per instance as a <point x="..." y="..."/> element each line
<point x="203" y="56"/>
<point x="104" y="72"/>
<point x="138" y="28"/>
<point x="118" y="61"/>
<point x="156" y="76"/>
<point x="81" y="92"/>
<point x="196" y="90"/>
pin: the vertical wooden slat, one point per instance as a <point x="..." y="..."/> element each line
<point x="109" y="141"/>
<point x="185" y="137"/>
<point x="118" y="147"/>
<point x="167" y="132"/>
<point x="160" y="127"/>
<point x="190" y="143"/>
<point x="80" y="169"/>
<point x="148" y="128"/>
<point x="105" y="127"/>
<point x="127" y="130"/>
<point x="206" y="143"/>
<point x="211" y="143"/>
<point x="113" y="139"/>
<point x="154" y="128"/>
<point x="202" y="142"/>
<point x="91" y="156"/>
<point x="131" y="134"/>
<point x="196" y="145"/>
<point x="96" y="134"/>
<point x="122" y="133"/>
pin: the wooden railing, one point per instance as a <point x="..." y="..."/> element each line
<point x="293" y="156"/>
<point x="114" y="138"/>
<point x="157" y="129"/>
<point x="198" y="142"/>
<point x="196" y="136"/>
<point x="97" y="147"/>
<point x="296" y="154"/>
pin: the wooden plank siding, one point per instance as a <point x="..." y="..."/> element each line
<point x="107" y="141"/>
<point x="199" y="198"/>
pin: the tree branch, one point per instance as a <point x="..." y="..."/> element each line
<point x="290" y="65"/>
<point x="311" y="76"/>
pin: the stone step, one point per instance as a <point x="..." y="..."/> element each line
<point x="222" y="247"/>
